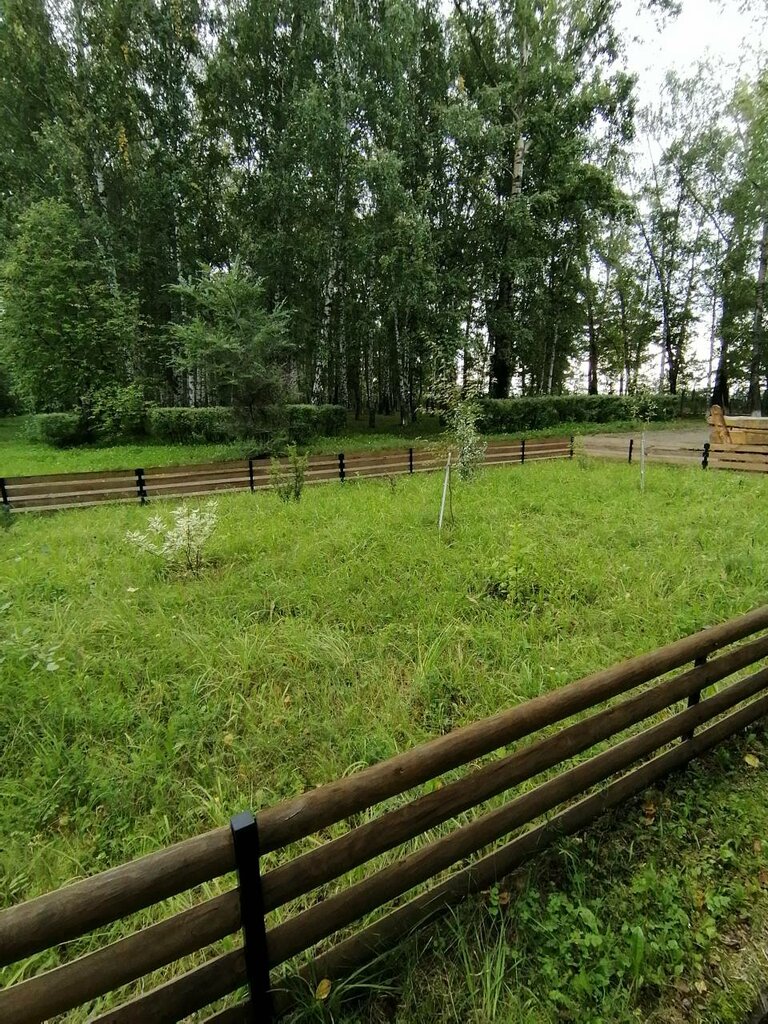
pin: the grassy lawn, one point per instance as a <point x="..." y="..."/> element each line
<point x="21" y="457"/>
<point x="139" y="706"/>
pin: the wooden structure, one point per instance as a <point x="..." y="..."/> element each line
<point x="681" y="723"/>
<point x="70" y="490"/>
<point x="737" y="442"/>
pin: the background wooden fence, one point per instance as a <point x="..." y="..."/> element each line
<point x="269" y="952"/>
<point x="69" y="490"/>
<point x="710" y="455"/>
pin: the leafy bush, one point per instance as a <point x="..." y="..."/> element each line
<point x="60" y="429"/>
<point x="213" y="424"/>
<point x="331" y="420"/>
<point x="119" y="412"/>
<point x="300" y="423"/>
<point x="181" y="540"/>
<point x="471" y="450"/>
<point x="287" y="478"/>
<point x="514" y="415"/>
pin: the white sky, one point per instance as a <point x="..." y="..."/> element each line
<point x="734" y="43"/>
<point x="703" y="29"/>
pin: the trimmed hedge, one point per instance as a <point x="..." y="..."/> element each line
<point x="60" y="429"/>
<point x="513" y="415"/>
<point x="213" y="424"/>
<point x="296" y="424"/>
<point x="299" y="423"/>
<point x="307" y="421"/>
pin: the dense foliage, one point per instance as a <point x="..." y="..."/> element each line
<point x="353" y="203"/>
<point x="184" y="425"/>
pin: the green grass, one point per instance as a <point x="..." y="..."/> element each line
<point x="140" y="706"/>
<point x="21" y="457"/>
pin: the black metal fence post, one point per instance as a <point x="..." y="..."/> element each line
<point x="4" y="492"/>
<point x="245" y="837"/>
<point x="522" y="450"/>
<point x="410" y="460"/>
<point x="705" y="457"/>
<point x="694" y="698"/>
<point x="570" y="455"/>
<point x="631" y="446"/>
<point x="342" y="473"/>
<point x="141" y="486"/>
<point x="250" y="473"/>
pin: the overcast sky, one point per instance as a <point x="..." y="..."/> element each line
<point x="704" y="28"/>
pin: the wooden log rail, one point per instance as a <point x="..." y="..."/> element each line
<point x="78" y="490"/>
<point x="620" y="769"/>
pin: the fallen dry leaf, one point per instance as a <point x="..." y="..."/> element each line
<point x="752" y="760"/>
<point x="763" y="878"/>
<point x="323" y="990"/>
<point x="700" y="986"/>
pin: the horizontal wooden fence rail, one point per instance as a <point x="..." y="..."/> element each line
<point x="306" y="875"/>
<point x="78" y="490"/>
<point x="746" y="458"/>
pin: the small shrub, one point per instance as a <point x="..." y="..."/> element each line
<point x="60" y="429"/>
<point x="119" y="412"/>
<point x="470" y="449"/>
<point x="647" y="405"/>
<point x="180" y="540"/>
<point x="287" y="478"/>
<point x="520" y="585"/>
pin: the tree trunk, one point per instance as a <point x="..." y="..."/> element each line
<point x="592" y="371"/>
<point x="501" y="342"/>
<point x="758" y="330"/>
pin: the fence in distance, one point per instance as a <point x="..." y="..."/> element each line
<point x="70" y="490"/>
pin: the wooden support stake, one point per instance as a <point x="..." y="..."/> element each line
<point x="141" y="487"/>
<point x="695" y="697"/>
<point x="245" y="838"/>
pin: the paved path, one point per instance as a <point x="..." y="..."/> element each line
<point x="675" y="445"/>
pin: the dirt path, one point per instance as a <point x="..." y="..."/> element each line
<point x="678" y="445"/>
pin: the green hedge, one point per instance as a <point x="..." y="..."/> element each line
<point x="514" y="415"/>
<point x="60" y="429"/>
<point x="297" y="423"/>
<point x="303" y="422"/>
<point x="192" y="426"/>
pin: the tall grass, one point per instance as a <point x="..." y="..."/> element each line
<point x="139" y="706"/>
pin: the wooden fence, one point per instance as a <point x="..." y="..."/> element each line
<point x="70" y="490"/>
<point x="269" y="957"/>
<point x="710" y="455"/>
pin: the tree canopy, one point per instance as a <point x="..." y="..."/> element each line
<point x="414" y="195"/>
